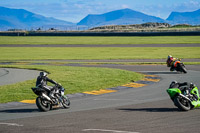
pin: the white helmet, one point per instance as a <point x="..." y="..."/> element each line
<point x="169" y="56"/>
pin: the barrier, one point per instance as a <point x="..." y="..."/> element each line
<point x="190" y="33"/>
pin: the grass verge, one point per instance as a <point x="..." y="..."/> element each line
<point x="74" y="79"/>
<point x="50" y="53"/>
<point x="64" y="63"/>
<point x="99" y="40"/>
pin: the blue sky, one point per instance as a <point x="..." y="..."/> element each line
<point x="75" y="10"/>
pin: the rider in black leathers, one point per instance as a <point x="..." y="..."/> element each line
<point x="42" y="83"/>
<point x="183" y="86"/>
<point x="175" y="84"/>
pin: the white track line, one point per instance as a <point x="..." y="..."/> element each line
<point x="11" y="124"/>
<point x="105" y="130"/>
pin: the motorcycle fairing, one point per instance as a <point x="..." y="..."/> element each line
<point x="195" y="91"/>
<point x="173" y="92"/>
<point x="176" y="62"/>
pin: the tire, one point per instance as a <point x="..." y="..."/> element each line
<point x="182" y="68"/>
<point x="65" y="102"/>
<point x="182" y="104"/>
<point x="42" y="104"/>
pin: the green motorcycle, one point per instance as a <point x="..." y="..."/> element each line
<point x="185" y="98"/>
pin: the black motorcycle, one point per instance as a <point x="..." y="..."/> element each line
<point x="46" y="103"/>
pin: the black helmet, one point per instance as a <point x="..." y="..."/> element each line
<point x="43" y="74"/>
<point x="173" y="83"/>
<point x="192" y="85"/>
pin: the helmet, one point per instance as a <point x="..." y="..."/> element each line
<point x="169" y="56"/>
<point x="172" y="84"/>
<point x="43" y="74"/>
<point x="192" y="85"/>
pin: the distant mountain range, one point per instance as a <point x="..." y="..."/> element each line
<point x="22" y="19"/>
<point x="119" y="17"/>
<point x="192" y="18"/>
<point x="128" y="16"/>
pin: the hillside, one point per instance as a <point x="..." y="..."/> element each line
<point x="25" y="20"/>
<point x="22" y="19"/>
<point x="146" y="27"/>
<point x="192" y="18"/>
<point x="119" y="17"/>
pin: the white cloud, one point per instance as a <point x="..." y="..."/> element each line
<point x="125" y="6"/>
<point x="187" y="6"/>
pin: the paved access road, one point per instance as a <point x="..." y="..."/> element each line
<point x="11" y="75"/>
<point x="145" y="109"/>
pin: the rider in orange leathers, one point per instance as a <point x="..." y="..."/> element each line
<point x="171" y="62"/>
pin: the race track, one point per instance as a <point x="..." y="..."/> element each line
<point x="145" y="109"/>
<point x="135" y="110"/>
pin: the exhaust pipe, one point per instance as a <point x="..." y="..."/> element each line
<point x="45" y="96"/>
<point x="183" y="96"/>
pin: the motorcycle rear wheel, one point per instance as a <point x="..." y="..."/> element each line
<point x="182" y="104"/>
<point x="42" y="104"/>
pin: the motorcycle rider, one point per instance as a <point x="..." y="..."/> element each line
<point x="175" y="84"/>
<point x="188" y="86"/>
<point x="170" y="62"/>
<point x="42" y="83"/>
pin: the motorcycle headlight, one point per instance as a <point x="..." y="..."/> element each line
<point x="62" y="93"/>
<point x="62" y="89"/>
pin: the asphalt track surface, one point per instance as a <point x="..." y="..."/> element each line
<point x="145" y="109"/>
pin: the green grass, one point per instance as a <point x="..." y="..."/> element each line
<point x="100" y="40"/>
<point x="27" y="53"/>
<point x="73" y="79"/>
<point x="184" y="26"/>
<point x="64" y="63"/>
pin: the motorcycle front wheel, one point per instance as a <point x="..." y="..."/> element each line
<point x="65" y="102"/>
<point x="182" y="104"/>
<point x="42" y="104"/>
<point x="182" y="68"/>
